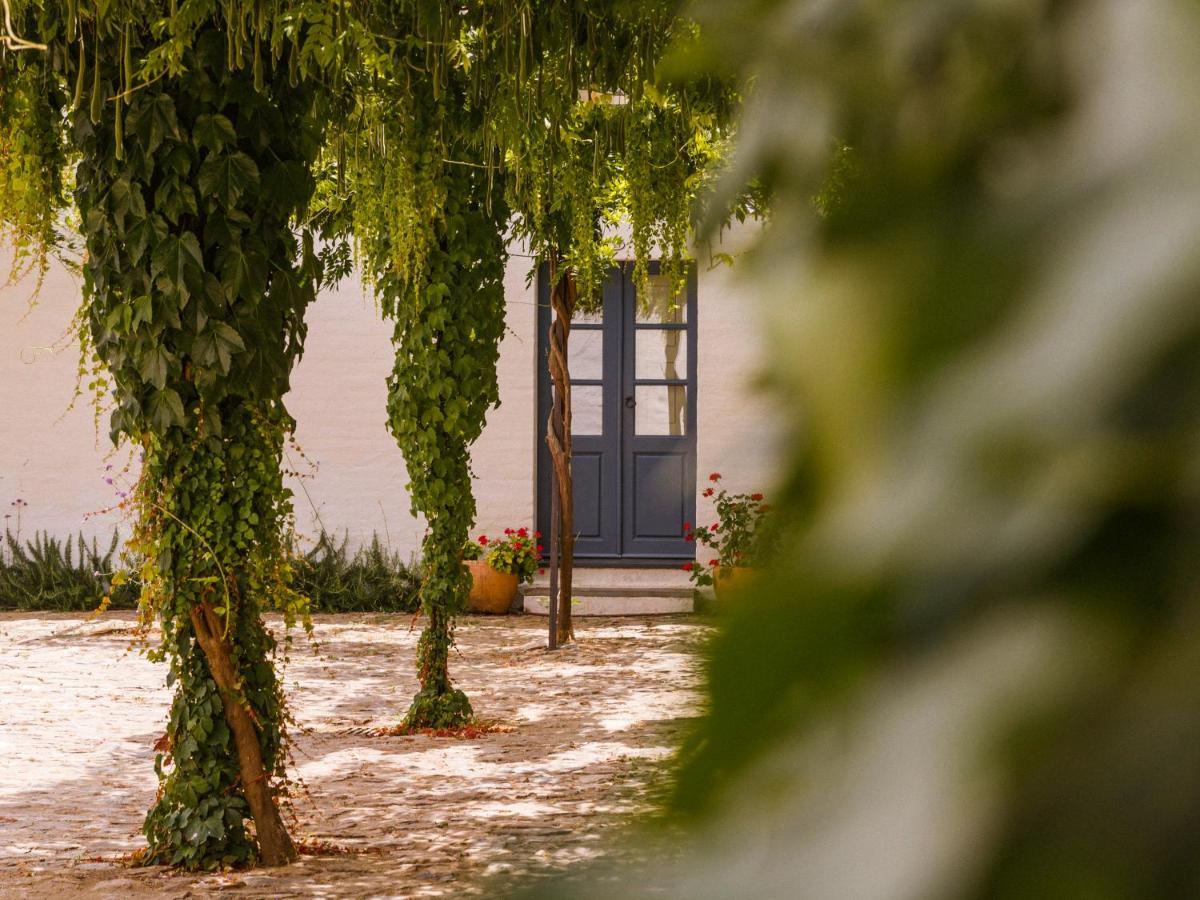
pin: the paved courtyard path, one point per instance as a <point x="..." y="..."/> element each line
<point x="584" y="735"/>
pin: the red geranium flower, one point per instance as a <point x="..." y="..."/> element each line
<point x="687" y="567"/>
<point x="537" y="534"/>
<point x="483" y="540"/>
<point x="715" y="476"/>
<point x="714" y="562"/>
<point x="708" y="492"/>
<point x="523" y="532"/>
<point x="508" y="531"/>
<point x="541" y="571"/>
<point x="687" y="526"/>
<point x="756" y="497"/>
<point x="539" y="549"/>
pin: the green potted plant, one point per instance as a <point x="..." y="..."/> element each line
<point x="497" y="566"/>
<point x="739" y="538"/>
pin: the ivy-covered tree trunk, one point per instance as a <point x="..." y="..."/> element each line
<point x="196" y="288"/>
<point x="208" y="573"/>
<point x="558" y="438"/>
<point x="447" y="335"/>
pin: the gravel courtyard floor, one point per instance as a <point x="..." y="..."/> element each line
<point x="586" y="731"/>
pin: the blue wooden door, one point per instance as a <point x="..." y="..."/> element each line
<point x="633" y="395"/>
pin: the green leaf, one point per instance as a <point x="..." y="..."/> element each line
<point x="213" y="131"/>
<point x="165" y="409"/>
<point x="178" y="264"/>
<point x="153" y="366"/>
<point x="217" y="346"/>
<point x="157" y="121"/>
<point x="244" y="270"/>
<point x="139" y="235"/>
<point x="227" y="177"/>
<point x="143" y="310"/>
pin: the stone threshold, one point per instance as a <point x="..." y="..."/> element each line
<point x="617" y="592"/>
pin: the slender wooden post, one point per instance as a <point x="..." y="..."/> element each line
<point x="553" y="599"/>
<point x="558" y="438"/>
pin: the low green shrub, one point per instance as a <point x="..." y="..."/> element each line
<point x="372" y="579"/>
<point x="70" y="575"/>
<point x="73" y="575"/>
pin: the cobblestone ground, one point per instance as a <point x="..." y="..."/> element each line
<point x="586" y="732"/>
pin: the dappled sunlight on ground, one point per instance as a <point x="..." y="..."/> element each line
<point x="580" y="739"/>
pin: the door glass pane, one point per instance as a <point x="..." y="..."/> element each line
<point x="661" y="409"/>
<point x="660" y="353"/>
<point x="585" y="353"/>
<point x="656" y="305"/>
<point x="587" y="408"/>
<point x="582" y="317"/>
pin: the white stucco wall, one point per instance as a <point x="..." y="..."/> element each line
<point x="51" y="456"/>
<point x="55" y="461"/>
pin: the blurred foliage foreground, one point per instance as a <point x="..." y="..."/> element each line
<point x="974" y="672"/>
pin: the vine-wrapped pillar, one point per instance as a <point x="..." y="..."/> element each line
<point x="196" y="287"/>
<point x="558" y="438"/>
<point x="447" y="336"/>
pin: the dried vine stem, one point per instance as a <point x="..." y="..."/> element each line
<point x="275" y="847"/>
<point x="10" y="40"/>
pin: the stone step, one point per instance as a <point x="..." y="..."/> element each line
<point x="586" y="577"/>
<point x="617" y="592"/>
<point x="608" y="605"/>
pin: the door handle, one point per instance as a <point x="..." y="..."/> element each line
<point x="630" y="403"/>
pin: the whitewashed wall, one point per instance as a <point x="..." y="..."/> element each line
<point x="53" y="458"/>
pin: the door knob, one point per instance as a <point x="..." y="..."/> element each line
<point x="630" y="403"/>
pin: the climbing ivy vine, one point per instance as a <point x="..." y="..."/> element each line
<point x="560" y="109"/>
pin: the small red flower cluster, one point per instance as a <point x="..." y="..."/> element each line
<point x="735" y="536"/>
<point x="517" y="552"/>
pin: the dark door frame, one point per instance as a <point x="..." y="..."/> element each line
<point x="617" y="385"/>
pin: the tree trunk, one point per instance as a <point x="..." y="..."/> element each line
<point x="275" y="847"/>
<point x="558" y="438"/>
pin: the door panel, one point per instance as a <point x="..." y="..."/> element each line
<point x="587" y="471"/>
<point x="658" y="418"/>
<point x="633" y="377"/>
<point x="659" y="482"/>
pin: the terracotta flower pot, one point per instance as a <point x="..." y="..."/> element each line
<point x="491" y="591"/>
<point x="732" y="581"/>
